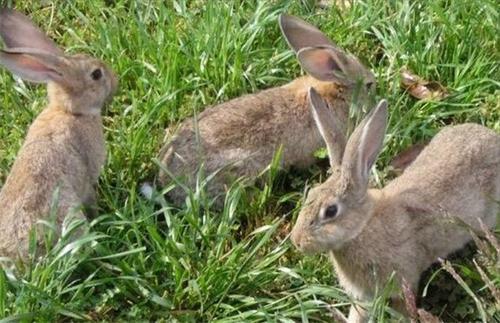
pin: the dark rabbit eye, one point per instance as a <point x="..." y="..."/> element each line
<point x="96" y="74"/>
<point x="330" y="212"/>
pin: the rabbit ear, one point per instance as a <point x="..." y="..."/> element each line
<point x="328" y="127"/>
<point x="334" y="65"/>
<point x="300" y="34"/>
<point x="363" y="148"/>
<point x="17" y="30"/>
<point x="33" y="65"/>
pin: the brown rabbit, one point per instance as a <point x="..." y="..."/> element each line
<point x="64" y="148"/>
<point x="242" y="135"/>
<point x="423" y="214"/>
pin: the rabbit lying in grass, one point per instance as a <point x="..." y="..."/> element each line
<point x="64" y="148"/>
<point x="242" y="135"/>
<point x="424" y="214"/>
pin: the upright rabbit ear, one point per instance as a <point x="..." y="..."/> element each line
<point x="334" y="65"/>
<point x="363" y="148"/>
<point x="328" y="127"/>
<point x="17" y="31"/>
<point x="300" y="34"/>
<point x="33" y="65"/>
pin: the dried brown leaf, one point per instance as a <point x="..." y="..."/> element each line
<point x="422" y="89"/>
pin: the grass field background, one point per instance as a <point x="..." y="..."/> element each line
<point x="141" y="261"/>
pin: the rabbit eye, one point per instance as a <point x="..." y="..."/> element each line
<point x="96" y="74"/>
<point x="330" y="212"/>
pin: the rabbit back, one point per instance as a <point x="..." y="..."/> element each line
<point x="243" y="134"/>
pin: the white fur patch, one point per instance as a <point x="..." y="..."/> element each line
<point x="147" y="190"/>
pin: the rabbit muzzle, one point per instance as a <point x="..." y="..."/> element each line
<point x="302" y="241"/>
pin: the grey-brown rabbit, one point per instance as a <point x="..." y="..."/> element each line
<point x="407" y="225"/>
<point x="242" y="135"/>
<point x="64" y="148"/>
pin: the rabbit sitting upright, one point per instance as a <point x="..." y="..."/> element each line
<point x="242" y="135"/>
<point x="64" y="148"/>
<point x="423" y="214"/>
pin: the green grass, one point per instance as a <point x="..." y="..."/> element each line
<point x="141" y="261"/>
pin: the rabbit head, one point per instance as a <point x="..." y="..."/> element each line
<point x="336" y="211"/>
<point x="321" y="58"/>
<point x="78" y="84"/>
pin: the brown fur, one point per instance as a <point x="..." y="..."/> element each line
<point x="64" y="148"/>
<point x="240" y="137"/>
<point x="422" y="215"/>
<point x="243" y="135"/>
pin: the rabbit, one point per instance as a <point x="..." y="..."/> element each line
<point x="64" y="149"/>
<point x="424" y="214"/>
<point x="239" y="137"/>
